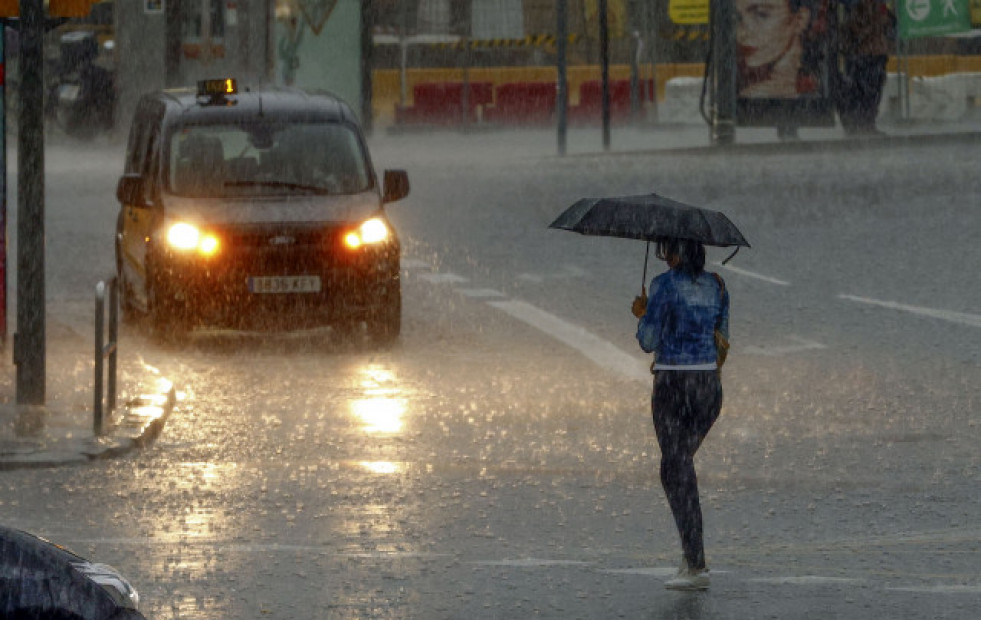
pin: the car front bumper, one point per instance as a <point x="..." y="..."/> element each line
<point x="222" y="293"/>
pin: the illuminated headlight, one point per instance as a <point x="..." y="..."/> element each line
<point x="370" y="232"/>
<point x="185" y="237"/>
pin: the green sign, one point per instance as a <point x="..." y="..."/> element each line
<point x="930" y="18"/>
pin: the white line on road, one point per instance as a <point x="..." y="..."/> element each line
<point x="530" y="563"/>
<point x="972" y="320"/>
<point x="477" y="293"/>
<point x="654" y="571"/>
<point x="803" y="344"/>
<point x="442" y="278"/>
<point x="750" y="274"/>
<point x="534" y="278"/>
<point x="806" y="580"/>
<point x="227" y="546"/>
<point x="415" y="263"/>
<point x="952" y="589"/>
<point x="596" y="349"/>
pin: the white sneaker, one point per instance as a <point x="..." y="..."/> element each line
<point x="688" y="579"/>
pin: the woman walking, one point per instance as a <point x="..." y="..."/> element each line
<point x="678" y="321"/>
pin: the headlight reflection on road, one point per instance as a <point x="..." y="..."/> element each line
<point x="381" y="467"/>
<point x="382" y="409"/>
<point x="380" y="415"/>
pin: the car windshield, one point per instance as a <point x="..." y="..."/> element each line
<point x="266" y="159"/>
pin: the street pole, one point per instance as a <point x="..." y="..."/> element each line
<point x="604" y="35"/>
<point x="172" y="44"/>
<point x="562" y="88"/>
<point x="367" y="62"/>
<point x="3" y="193"/>
<point x="403" y="53"/>
<point x="29" y="344"/>
<point x="650" y="32"/>
<point x="723" y="129"/>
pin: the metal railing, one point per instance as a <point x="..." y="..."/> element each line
<point x="105" y="350"/>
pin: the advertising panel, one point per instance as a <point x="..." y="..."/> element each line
<point x="318" y="46"/>
<point x="785" y="62"/>
<point x="688" y="12"/>
<point x="929" y="18"/>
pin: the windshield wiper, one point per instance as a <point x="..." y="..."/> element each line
<point x="317" y="189"/>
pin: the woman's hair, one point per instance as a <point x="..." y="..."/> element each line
<point x="691" y="254"/>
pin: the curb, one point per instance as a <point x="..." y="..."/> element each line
<point x="799" y="145"/>
<point x="140" y="423"/>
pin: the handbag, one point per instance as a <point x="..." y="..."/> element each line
<point x="721" y="342"/>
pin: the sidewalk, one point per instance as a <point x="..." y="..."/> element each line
<point x="61" y="432"/>
<point x="478" y="142"/>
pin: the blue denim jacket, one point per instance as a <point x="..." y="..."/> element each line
<point x="679" y="326"/>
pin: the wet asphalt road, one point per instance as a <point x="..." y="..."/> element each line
<point x="499" y="462"/>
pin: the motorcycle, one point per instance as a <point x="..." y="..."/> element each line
<point x="84" y="94"/>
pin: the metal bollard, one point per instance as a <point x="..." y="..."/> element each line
<point x="105" y="350"/>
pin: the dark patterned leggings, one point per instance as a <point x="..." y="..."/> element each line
<point x="685" y="405"/>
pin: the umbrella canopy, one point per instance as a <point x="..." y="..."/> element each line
<point x="37" y="575"/>
<point x="649" y="217"/>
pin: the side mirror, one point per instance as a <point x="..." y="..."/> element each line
<point x="129" y="191"/>
<point x="396" y="185"/>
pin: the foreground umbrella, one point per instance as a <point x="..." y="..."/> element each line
<point x="650" y="217"/>
<point x="39" y="579"/>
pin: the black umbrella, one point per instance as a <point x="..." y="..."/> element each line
<point x="650" y="217"/>
<point x="39" y="579"/>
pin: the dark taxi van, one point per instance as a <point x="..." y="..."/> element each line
<point x="256" y="210"/>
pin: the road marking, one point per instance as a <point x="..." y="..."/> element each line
<point x="596" y="349"/>
<point x="530" y="563"/>
<point x="646" y="572"/>
<point x="568" y="271"/>
<point x="652" y="571"/>
<point x="750" y="274"/>
<point x="956" y="589"/>
<point x="480" y="293"/>
<point x="807" y="580"/>
<point x="415" y="263"/>
<point x="534" y="278"/>
<point x="442" y="278"/>
<point x="803" y="344"/>
<point x="963" y="318"/>
<point x="226" y="546"/>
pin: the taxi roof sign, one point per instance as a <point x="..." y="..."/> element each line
<point x="218" y="88"/>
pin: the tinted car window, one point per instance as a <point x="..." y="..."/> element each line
<point x="266" y="159"/>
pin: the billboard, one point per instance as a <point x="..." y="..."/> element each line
<point x="785" y="62"/>
<point x="929" y="18"/>
<point x="318" y="46"/>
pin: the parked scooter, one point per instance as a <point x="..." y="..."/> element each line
<point x="83" y="100"/>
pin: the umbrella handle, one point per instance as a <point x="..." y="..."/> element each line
<point x="731" y="255"/>
<point x="643" y="282"/>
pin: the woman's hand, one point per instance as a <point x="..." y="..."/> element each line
<point x="639" y="307"/>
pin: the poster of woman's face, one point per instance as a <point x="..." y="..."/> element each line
<point x="783" y="51"/>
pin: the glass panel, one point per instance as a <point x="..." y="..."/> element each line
<point x="267" y="159"/>
<point x="193" y="25"/>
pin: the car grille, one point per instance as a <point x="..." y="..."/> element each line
<point x="279" y="250"/>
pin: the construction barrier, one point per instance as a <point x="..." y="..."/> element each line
<point x="386" y="86"/>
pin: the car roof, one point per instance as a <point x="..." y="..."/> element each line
<point x="268" y="103"/>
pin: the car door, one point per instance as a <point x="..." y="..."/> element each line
<point x="137" y="221"/>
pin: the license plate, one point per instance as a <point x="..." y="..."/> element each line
<point x="284" y="284"/>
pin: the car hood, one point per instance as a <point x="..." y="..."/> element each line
<point x="319" y="209"/>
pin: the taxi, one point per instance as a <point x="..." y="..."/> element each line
<point x="255" y="209"/>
